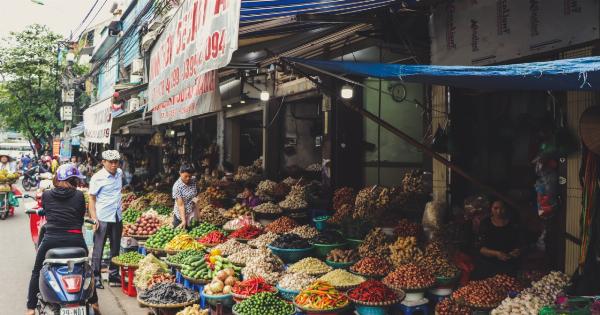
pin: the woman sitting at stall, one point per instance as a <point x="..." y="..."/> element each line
<point x="499" y="244"/>
<point x="249" y="199"/>
<point x="184" y="191"/>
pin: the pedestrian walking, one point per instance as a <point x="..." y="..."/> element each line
<point x="105" y="208"/>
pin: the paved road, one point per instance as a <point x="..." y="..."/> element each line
<point x="16" y="262"/>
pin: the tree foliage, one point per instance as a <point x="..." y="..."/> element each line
<point x="29" y="91"/>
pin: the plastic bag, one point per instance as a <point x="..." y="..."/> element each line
<point x="433" y="215"/>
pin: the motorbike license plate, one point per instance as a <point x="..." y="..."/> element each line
<point x="79" y="310"/>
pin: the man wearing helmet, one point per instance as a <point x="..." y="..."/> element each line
<point x="105" y="208"/>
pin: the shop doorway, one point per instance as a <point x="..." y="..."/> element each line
<point x="247" y="138"/>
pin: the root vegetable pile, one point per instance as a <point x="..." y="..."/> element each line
<point x="311" y="266"/>
<point x="268" y="207"/>
<point x="371" y="202"/>
<point x="343" y="255"/>
<point x="305" y="231"/>
<point x="265" y="189"/>
<point x="374" y="245"/>
<point x="321" y="296"/>
<point x="295" y="281"/>
<point x="264" y="303"/>
<point x="263" y="240"/>
<point x="372" y="266"/>
<point x="146" y="224"/>
<point x="281" y="225"/>
<point x="237" y="211"/>
<point x="231" y="247"/>
<point x="240" y="258"/>
<point x="296" y="199"/>
<point x="264" y="264"/>
<point x="212" y="215"/>
<point x="222" y="283"/>
<point x="193" y="310"/>
<point x="168" y="293"/>
<point x="372" y="291"/>
<point x="290" y="241"/>
<point x="160" y="278"/>
<point x="342" y="278"/>
<point x="409" y="276"/>
<point x="405" y="251"/>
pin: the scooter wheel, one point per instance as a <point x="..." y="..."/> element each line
<point x="3" y="215"/>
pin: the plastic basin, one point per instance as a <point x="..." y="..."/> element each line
<point x="291" y="255"/>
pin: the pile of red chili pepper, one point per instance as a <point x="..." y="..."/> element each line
<point x="247" y="232"/>
<point x="252" y="286"/>
<point x="372" y="291"/>
<point x="214" y="237"/>
<point x="321" y="296"/>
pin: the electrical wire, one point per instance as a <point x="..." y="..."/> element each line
<point x="95" y="16"/>
<point x="84" y="19"/>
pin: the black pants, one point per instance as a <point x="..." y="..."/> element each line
<point x="112" y="231"/>
<point x="50" y="241"/>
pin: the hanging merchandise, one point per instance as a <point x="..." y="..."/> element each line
<point x="546" y="186"/>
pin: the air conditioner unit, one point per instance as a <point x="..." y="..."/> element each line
<point x="133" y="104"/>
<point x="134" y="78"/>
<point x="137" y="67"/>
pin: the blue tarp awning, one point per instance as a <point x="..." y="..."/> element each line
<point x="262" y="10"/>
<point x="580" y="74"/>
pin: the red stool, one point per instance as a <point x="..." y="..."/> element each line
<point x="127" y="286"/>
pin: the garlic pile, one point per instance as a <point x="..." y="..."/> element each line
<point x="532" y="299"/>
<point x="265" y="189"/>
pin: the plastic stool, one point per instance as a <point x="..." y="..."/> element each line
<point x="142" y="250"/>
<point x="127" y="286"/>
<point x="412" y="309"/>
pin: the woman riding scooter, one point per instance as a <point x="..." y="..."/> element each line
<point x="64" y="208"/>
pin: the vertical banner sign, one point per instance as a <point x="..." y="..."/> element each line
<point x="97" y="122"/>
<point x="200" y="39"/>
<point x="65" y="149"/>
<point x="55" y="147"/>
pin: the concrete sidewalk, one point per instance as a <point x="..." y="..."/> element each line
<point x="113" y="302"/>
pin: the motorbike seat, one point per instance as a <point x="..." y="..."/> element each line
<point x="66" y="252"/>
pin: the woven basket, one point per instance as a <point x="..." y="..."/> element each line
<point x="157" y="251"/>
<point x="140" y="237"/>
<point x="116" y="262"/>
<point x="169" y="306"/>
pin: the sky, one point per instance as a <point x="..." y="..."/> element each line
<point x="61" y="16"/>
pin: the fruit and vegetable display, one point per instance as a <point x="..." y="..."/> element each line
<point x="129" y="258"/>
<point x="439" y="266"/>
<point x="215" y="194"/>
<point x="281" y="225"/>
<point x="506" y="283"/>
<point x="231" y="247"/>
<point x="130" y="216"/>
<point x="263" y="240"/>
<point x="264" y="303"/>
<point x="193" y="310"/>
<point x="449" y="306"/>
<point x="180" y="257"/>
<point x="147" y="268"/>
<point x="265" y="189"/>
<point x="371" y="202"/>
<point x="268" y="208"/>
<point x="295" y="281"/>
<point x="214" y="237"/>
<point x="252" y="286"/>
<point x="139" y="204"/>
<point x="321" y="296"/>
<point x="212" y="215"/>
<point x="305" y="231"/>
<point x="532" y="299"/>
<point x="341" y="278"/>
<point x="168" y="293"/>
<point x="162" y="236"/>
<point x="404" y="250"/>
<point x="487" y="293"/>
<point x="372" y="267"/>
<point x="290" y="241"/>
<point x="6" y="177"/>
<point x="160" y="278"/>
<point x="146" y="224"/>
<point x="205" y="267"/>
<point x="343" y="255"/>
<point x="247" y="232"/>
<point x="409" y="276"/>
<point x="375" y="245"/>
<point x="222" y="283"/>
<point x="183" y="242"/>
<point x="264" y="264"/>
<point x="281" y="190"/>
<point x="160" y="199"/>
<point x="162" y="209"/>
<point x="344" y="212"/>
<point x="237" y="211"/>
<point x="328" y="237"/>
<point x="240" y="222"/>
<point x="406" y="228"/>
<point x="203" y="229"/>
<point x="343" y="196"/>
<point x="309" y="265"/>
<point x="373" y="291"/>
<point x="296" y="199"/>
<point x="126" y="200"/>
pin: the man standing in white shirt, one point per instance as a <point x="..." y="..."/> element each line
<point x="105" y="208"/>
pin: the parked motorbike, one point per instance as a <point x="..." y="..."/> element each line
<point x="66" y="278"/>
<point x="31" y="178"/>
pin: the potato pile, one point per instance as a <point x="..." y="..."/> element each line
<point x="212" y="215"/>
<point x="237" y="211"/>
<point x="405" y="251"/>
